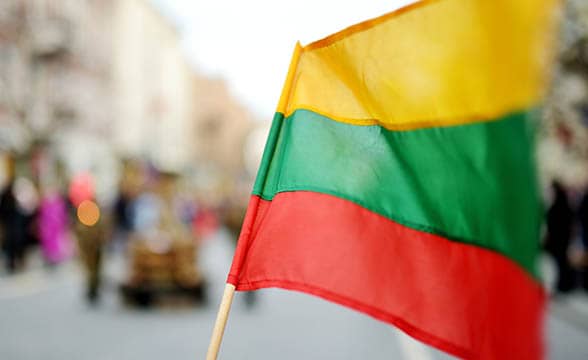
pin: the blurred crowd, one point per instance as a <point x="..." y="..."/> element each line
<point x="156" y="218"/>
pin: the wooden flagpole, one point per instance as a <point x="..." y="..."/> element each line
<point x="221" y="321"/>
<point x="225" y="306"/>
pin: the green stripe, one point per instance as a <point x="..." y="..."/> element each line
<point x="268" y="154"/>
<point x="472" y="183"/>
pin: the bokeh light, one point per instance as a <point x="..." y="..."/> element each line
<point x="88" y="213"/>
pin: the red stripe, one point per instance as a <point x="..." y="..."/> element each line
<point x="459" y="298"/>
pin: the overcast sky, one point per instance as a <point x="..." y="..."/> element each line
<point x="249" y="43"/>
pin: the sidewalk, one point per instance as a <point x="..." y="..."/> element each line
<point x="571" y="308"/>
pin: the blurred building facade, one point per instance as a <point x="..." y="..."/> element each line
<point x="151" y="86"/>
<point x="54" y="77"/>
<point x="93" y="81"/>
<point x="220" y="139"/>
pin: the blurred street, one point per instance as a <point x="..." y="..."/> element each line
<point x="132" y="133"/>
<point x="44" y="315"/>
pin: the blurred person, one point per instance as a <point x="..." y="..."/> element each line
<point x="53" y="225"/>
<point x="13" y="223"/>
<point x="560" y="220"/>
<point x="145" y="210"/>
<point x="122" y="211"/>
<point x="90" y="230"/>
<point x="186" y="207"/>
<point x="18" y="203"/>
<point x="123" y="217"/>
<point x="91" y="236"/>
<point x="204" y="221"/>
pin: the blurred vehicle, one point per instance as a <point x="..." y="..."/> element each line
<point x="162" y="251"/>
<point x="160" y="267"/>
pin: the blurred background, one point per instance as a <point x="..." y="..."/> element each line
<point x="130" y="135"/>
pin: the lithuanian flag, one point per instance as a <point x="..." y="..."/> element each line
<point x="398" y="176"/>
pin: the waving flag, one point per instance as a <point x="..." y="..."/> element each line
<point x="398" y="175"/>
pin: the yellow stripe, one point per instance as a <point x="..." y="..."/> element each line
<point x="287" y="90"/>
<point x="434" y="63"/>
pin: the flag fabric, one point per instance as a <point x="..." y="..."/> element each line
<point x="398" y="175"/>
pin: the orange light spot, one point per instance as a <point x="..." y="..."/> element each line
<point x="88" y="213"/>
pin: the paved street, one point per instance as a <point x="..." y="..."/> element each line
<point x="43" y="316"/>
